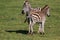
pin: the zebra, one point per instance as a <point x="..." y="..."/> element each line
<point x="35" y="15"/>
<point x="27" y="8"/>
<point x="38" y="17"/>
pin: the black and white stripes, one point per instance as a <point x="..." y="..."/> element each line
<point x="35" y="15"/>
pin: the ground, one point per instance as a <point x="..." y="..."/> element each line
<point x="12" y="26"/>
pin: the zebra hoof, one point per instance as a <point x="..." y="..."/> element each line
<point x="42" y="33"/>
<point x="31" y="33"/>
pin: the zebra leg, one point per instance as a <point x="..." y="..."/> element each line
<point x="42" y="27"/>
<point x="32" y="24"/>
<point x="31" y="27"/>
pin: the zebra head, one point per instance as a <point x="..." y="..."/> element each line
<point x="26" y="7"/>
<point x="45" y="9"/>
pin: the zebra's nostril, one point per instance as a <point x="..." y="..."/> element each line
<point x="48" y="15"/>
<point x="22" y="11"/>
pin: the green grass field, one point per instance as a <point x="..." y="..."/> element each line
<point x="12" y="26"/>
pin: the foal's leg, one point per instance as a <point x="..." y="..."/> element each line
<point x="41" y="27"/>
<point x="31" y="27"/>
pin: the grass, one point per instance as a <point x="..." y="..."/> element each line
<point x="12" y="26"/>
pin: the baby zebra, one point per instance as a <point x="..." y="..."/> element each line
<point x="35" y="15"/>
<point x="38" y="17"/>
<point x="27" y="8"/>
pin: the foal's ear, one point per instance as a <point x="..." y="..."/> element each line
<point x="26" y="1"/>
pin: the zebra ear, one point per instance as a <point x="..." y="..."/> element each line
<point x="26" y="0"/>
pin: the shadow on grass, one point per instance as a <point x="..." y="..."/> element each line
<point x="18" y="31"/>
